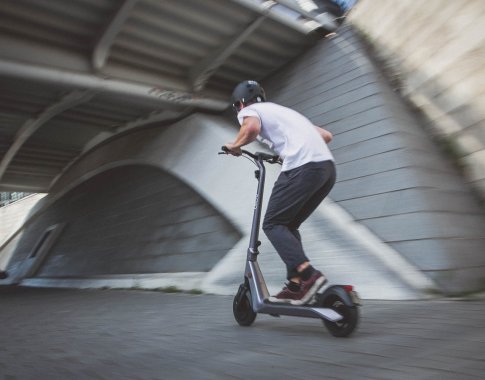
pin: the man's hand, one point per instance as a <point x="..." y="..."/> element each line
<point x="232" y="149"/>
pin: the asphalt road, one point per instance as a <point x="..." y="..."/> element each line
<point x="131" y="334"/>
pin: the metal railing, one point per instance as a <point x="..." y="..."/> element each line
<point x="7" y="198"/>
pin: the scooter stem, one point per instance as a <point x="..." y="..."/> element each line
<point x="254" y="240"/>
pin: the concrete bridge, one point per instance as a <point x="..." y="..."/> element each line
<point x="117" y="111"/>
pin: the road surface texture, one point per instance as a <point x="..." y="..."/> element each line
<point x="134" y="334"/>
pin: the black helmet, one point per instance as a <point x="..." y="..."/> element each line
<point x="247" y="92"/>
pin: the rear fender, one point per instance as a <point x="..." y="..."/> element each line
<point x="340" y="292"/>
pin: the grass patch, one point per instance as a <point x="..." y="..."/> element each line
<point x="170" y="289"/>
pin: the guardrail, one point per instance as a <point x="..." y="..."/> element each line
<point x="7" y="198"/>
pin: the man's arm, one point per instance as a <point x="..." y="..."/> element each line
<point x="326" y="135"/>
<point x="248" y="132"/>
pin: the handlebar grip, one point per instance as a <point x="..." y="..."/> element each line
<point x="272" y="159"/>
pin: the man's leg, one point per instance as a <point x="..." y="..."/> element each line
<point x="317" y="198"/>
<point x="295" y="196"/>
<point x="290" y="193"/>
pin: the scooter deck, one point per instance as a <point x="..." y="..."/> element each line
<point x="298" y="311"/>
<point x="261" y="303"/>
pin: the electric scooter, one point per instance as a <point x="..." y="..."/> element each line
<point x="337" y="306"/>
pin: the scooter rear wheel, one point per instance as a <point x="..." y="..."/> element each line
<point x="345" y="326"/>
<point x="241" y="307"/>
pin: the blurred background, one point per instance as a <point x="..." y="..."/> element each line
<point x="112" y="114"/>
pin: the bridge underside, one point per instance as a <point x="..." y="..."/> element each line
<point x="76" y="73"/>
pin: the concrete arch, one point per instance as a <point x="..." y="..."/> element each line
<point x="130" y="219"/>
<point x="188" y="151"/>
<point x="142" y="220"/>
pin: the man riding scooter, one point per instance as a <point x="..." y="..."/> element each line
<point x="307" y="176"/>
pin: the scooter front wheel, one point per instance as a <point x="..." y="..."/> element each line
<point x="241" y="307"/>
<point x="350" y="314"/>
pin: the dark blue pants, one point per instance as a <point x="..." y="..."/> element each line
<point x="296" y="194"/>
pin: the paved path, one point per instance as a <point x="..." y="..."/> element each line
<point x="117" y="334"/>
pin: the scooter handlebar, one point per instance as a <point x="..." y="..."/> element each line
<point x="270" y="158"/>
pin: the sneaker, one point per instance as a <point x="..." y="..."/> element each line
<point x="311" y="286"/>
<point x="287" y="296"/>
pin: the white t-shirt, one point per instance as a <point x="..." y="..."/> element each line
<point x="290" y="134"/>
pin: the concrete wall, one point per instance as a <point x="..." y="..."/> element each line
<point x="391" y="176"/>
<point x="437" y="48"/>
